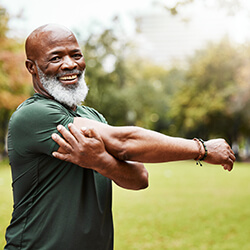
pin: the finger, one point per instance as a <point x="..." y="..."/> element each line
<point x="229" y="165"/>
<point x="86" y="132"/>
<point x="83" y="130"/>
<point x="91" y="132"/>
<point x="232" y="152"/>
<point x="76" y="133"/>
<point x="63" y="157"/>
<point x="232" y="157"/>
<point x="62" y="143"/>
<point x="68" y="136"/>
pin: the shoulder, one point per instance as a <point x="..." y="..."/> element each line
<point x="38" y="116"/>
<point x="38" y="107"/>
<point x="34" y="121"/>
<point x="92" y="113"/>
<point x="38" y="102"/>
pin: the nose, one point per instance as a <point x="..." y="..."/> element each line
<point x="68" y="63"/>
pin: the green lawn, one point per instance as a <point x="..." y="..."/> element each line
<point x="185" y="207"/>
<point x="6" y="200"/>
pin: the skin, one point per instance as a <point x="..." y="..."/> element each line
<point x="55" y="50"/>
<point x="92" y="144"/>
<point x="138" y="144"/>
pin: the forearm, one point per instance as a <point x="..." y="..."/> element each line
<point x="148" y="146"/>
<point x="126" y="174"/>
<point x="129" y="175"/>
<point x="142" y="145"/>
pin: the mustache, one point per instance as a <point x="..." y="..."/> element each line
<point x="73" y="72"/>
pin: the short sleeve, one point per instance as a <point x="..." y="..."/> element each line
<point x="31" y="127"/>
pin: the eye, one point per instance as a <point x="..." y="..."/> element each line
<point x="77" y="56"/>
<point x="55" y="59"/>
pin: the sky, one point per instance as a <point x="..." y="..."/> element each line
<point x="206" y="23"/>
<point x="72" y="14"/>
<point x="78" y="14"/>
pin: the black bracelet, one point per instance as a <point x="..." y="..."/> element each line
<point x="198" y="159"/>
<point x="205" y="147"/>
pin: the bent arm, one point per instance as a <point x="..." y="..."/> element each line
<point x="86" y="149"/>
<point x="142" y="145"/>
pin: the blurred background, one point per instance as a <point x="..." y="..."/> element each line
<point x="178" y="67"/>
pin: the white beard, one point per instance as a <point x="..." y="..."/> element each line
<point x="71" y="95"/>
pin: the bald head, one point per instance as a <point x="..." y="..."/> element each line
<point x="42" y="36"/>
<point x="53" y="52"/>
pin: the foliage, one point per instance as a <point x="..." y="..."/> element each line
<point x="209" y="98"/>
<point x="14" y="81"/>
<point x="214" y="101"/>
<point x="133" y="91"/>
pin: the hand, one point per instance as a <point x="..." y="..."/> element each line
<point x="219" y="152"/>
<point x="82" y="147"/>
<point x="85" y="148"/>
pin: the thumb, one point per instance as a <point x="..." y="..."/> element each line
<point x="85" y="131"/>
<point x="89" y="132"/>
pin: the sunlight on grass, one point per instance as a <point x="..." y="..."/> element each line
<point x="186" y="207"/>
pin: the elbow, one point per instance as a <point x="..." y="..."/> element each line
<point x="137" y="182"/>
<point x="127" y="145"/>
<point x="144" y="183"/>
<point x="122" y="151"/>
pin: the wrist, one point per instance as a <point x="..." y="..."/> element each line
<point x="106" y="164"/>
<point x="205" y="149"/>
<point x="202" y="151"/>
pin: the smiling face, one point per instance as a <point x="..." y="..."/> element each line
<point x="59" y="55"/>
<point x="53" y="55"/>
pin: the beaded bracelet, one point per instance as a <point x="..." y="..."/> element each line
<point x="200" y="157"/>
<point x="205" y="147"/>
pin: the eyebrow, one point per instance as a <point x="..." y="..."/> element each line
<point x="60" y="51"/>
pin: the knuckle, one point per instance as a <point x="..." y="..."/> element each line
<point x="81" y="148"/>
<point x="225" y="157"/>
<point x="67" y="148"/>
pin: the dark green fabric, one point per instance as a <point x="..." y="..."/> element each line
<point x="57" y="205"/>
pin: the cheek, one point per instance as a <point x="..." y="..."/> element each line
<point x="52" y="70"/>
<point x="82" y="64"/>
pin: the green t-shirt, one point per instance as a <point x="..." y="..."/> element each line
<point x="57" y="205"/>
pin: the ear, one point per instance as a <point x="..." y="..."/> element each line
<point x="31" y="67"/>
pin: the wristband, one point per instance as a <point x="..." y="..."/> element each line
<point x="205" y="147"/>
<point x="200" y="156"/>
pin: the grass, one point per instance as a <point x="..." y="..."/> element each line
<point x="186" y="207"/>
<point x="6" y="200"/>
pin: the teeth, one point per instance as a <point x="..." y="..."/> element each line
<point x="65" y="78"/>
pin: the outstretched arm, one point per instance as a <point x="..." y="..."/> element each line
<point x="138" y="144"/>
<point x="142" y="145"/>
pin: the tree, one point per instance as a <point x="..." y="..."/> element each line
<point x="14" y="86"/>
<point x="208" y="104"/>
<point x="132" y="90"/>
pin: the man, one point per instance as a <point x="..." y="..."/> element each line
<point x="64" y="202"/>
